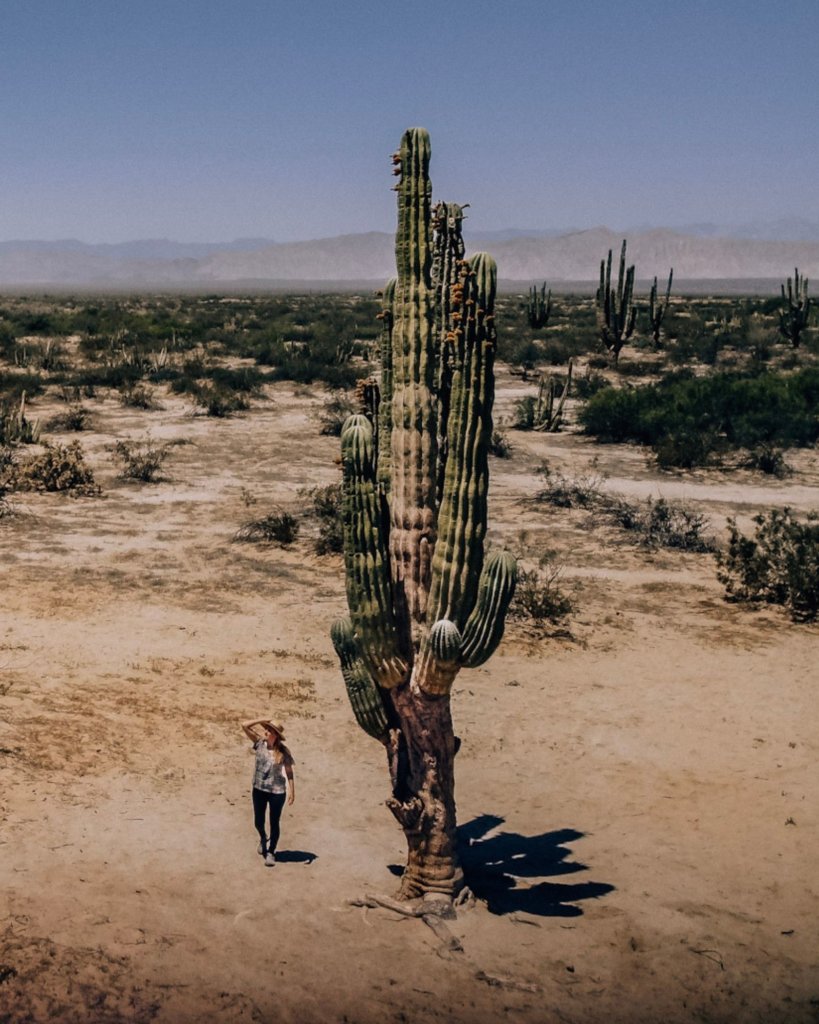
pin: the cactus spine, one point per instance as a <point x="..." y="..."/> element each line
<point x="795" y="314"/>
<point x="423" y="600"/>
<point x="616" y="311"/>
<point x="657" y="308"/>
<point x="539" y="307"/>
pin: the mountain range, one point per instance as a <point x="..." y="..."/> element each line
<point x="699" y="253"/>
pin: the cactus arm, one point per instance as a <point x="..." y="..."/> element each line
<point x="448" y="252"/>
<point x="364" y="695"/>
<point x="369" y="594"/>
<point x="414" y="432"/>
<point x="385" y="407"/>
<point x="458" y="553"/>
<point x="484" y="628"/>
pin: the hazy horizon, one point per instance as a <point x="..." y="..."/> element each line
<point x="270" y="120"/>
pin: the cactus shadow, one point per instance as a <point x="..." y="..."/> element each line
<point x="495" y="863"/>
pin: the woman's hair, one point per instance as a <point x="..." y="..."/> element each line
<point x="279" y="753"/>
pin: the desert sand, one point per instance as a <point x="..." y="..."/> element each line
<point x="637" y="789"/>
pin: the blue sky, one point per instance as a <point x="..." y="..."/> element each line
<point x="200" y="120"/>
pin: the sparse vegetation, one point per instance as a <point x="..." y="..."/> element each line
<point x="326" y="507"/>
<point x="58" y="468"/>
<point x="334" y="412"/>
<point x="277" y="527"/>
<point x="779" y="564"/>
<point x="538" y="596"/>
<point x="653" y="522"/>
<point x="74" y="419"/>
<point x="499" y="445"/>
<point x="140" y="460"/>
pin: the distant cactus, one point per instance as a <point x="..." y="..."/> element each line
<point x="550" y="401"/>
<point x="657" y="309"/>
<point x="539" y="307"/>
<point x="795" y="314"/>
<point x="616" y="311"/>
<point x="423" y="599"/>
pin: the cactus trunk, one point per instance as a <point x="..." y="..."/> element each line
<point x="424" y="602"/>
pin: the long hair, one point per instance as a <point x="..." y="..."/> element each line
<point x="279" y="753"/>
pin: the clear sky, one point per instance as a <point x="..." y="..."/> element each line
<point x="208" y="120"/>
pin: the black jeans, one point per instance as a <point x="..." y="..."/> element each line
<point x="261" y="801"/>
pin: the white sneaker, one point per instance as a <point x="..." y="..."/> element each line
<point x="270" y="860"/>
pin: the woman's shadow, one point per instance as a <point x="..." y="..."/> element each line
<point x="494" y="864"/>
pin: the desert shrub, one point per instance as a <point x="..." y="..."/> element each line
<point x="523" y="417"/>
<point x="325" y="505"/>
<point x="518" y="350"/>
<point x="75" y="418"/>
<point x="778" y="565"/>
<point x="660" y="523"/>
<point x="636" y="368"/>
<point x="334" y="412"/>
<point x="59" y="468"/>
<point x="247" y="379"/>
<point x="14" y="385"/>
<point x="117" y="376"/>
<point x="137" y="396"/>
<point x="767" y="459"/>
<point x="499" y="445"/>
<point x="278" y="526"/>
<point x="653" y="523"/>
<point x="570" y="492"/>
<point x="219" y="402"/>
<point x="589" y="384"/>
<point x="538" y="595"/>
<point x="140" y="460"/>
<point x="687" y="419"/>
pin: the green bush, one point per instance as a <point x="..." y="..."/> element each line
<point x="687" y="419"/>
<point x="778" y="565"/>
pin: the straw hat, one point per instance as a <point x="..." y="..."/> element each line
<point x="277" y="727"/>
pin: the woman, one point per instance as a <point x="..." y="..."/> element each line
<point x="272" y="781"/>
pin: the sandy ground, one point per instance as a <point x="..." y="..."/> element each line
<point x="638" y="793"/>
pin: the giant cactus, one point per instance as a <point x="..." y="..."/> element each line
<point x="423" y="598"/>
<point x="616" y="311"/>
<point x="795" y="313"/>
